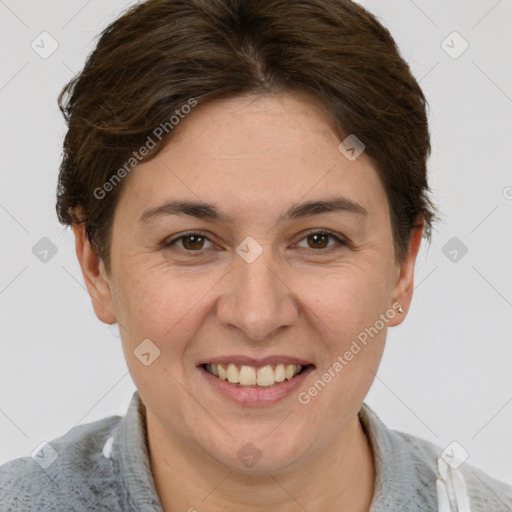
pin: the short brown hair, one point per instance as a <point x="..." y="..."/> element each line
<point x="161" y="53"/>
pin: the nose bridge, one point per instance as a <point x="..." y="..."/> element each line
<point x="257" y="300"/>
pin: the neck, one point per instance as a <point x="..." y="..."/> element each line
<point x="188" y="480"/>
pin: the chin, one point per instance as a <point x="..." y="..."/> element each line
<point x="256" y="454"/>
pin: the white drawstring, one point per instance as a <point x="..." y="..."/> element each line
<point x="107" y="448"/>
<point x="452" y="494"/>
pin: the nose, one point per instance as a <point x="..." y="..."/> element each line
<point x="257" y="299"/>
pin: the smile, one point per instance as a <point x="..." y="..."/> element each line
<point x="251" y="376"/>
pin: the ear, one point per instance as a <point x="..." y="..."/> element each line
<point x="95" y="276"/>
<point x="404" y="281"/>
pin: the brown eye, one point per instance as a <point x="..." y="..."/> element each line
<point x="319" y="241"/>
<point x="191" y="242"/>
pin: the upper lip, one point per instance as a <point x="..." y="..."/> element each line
<point x="256" y="362"/>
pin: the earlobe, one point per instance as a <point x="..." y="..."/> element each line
<point x="404" y="283"/>
<point x="95" y="277"/>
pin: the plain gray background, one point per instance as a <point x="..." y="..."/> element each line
<point x="446" y="372"/>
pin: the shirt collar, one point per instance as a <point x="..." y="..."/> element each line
<point x="405" y="480"/>
<point x="131" y="452"/>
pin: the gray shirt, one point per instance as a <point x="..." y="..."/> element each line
<point x="105" y="465"/>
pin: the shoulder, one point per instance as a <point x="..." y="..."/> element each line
<point x="416" y="474"/>
<point x="67" y="473"/>
<point x="485" y="492"/>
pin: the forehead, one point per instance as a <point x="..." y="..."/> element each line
<point x="248" y="124"/>
<point x="260" y="152"/>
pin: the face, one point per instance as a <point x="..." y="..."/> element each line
<point x="253" y="279"/>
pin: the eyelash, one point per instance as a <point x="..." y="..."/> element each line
<point x="341" y="242"/>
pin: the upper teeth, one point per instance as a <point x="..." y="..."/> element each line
<point x="249" y="375"/>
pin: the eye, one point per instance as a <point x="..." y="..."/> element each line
<point x="318" y="241"/>
<point x="191" y="242"/>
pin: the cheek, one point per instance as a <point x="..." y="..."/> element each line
<point x="163" y="307"/>
<point x="349" y="301"/>
<point x="353" y="335"/>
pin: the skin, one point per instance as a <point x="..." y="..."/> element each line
<point x="293" y="299"/>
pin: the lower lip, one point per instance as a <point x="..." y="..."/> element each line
<point x="257" y="396"/>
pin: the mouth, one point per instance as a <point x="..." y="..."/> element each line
<point x="255" y="382"/>
<point x="249" y="376"/>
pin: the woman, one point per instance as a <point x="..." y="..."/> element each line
<point x="246" y="182"/>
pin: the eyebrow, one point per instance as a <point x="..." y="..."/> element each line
<point x="207" y="211"/>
